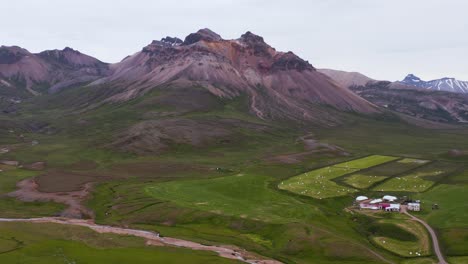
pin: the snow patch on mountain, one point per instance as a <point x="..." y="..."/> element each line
<point x="443" y="84"/>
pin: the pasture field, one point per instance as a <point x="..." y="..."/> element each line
<point x="413" y="182"/>
<point x="420" y="261"/>
<point x="363" y="181"/>
<point x="318" y="184"/>
<point x="396" y="167"/>
<point x="458" y="260"/>
<point x="405" y="245"/>
<point x="55" y="243"/>
<point x="412" y="161"/>
<point x="366" y="162"/>
<point x="421" y="178"/>
<point x="451" y="219"/>
<point x="242" y="195"/>
<point x="452" y="203"/>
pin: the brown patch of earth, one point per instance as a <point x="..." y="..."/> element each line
<point x="457" y="153"/>
<point x="28" y="192"/>
<point x="66" y="181"/>
<point x="6" y="167"/>
<point x="9" y="162"/>
<point x="38" y="166"/>
<point x="312" y="148"/>
<point x="83" y="165"/>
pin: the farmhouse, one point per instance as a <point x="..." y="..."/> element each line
<point x="367" y="205"/>
<point x="414" y="207"/>
<point x="393" y="208"/>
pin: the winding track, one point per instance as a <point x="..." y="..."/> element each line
<point x="435" y="241"/>
<point x="153" y="238"/>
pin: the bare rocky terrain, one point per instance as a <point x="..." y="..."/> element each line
<point x="444" y="107"/>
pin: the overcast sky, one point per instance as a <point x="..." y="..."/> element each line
<point x="384" y="39"/>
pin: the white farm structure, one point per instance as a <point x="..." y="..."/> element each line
<point x="387" y="203"/>
<point x="414" y="207"/>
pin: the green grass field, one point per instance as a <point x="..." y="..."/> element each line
<point x="242" y="195"/>
<point x="54" y="243"/>
<point x="458" y="260"/>
<point x="451" y="219"/>
<point x="420" y="261"/>
<point x="412" y="161"/>
<point x="366" y="162"/>
<point x="363" y="181"/>
<point x="453" y="210"/>
<point x="408" y="247"/>
<point x="409" y="183"/>
<point x="416" y="181"/>
<point x="318" y="184"/>
<point x="394" y="168"/>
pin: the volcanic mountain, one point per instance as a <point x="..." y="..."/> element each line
<point x="48" y="71"/>
<point x="278" y="84"/>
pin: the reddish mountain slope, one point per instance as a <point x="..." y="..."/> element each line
<point x="277" y="83"/>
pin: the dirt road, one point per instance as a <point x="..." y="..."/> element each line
<point x="154" y="239"/>
<point x="435" y="241"/>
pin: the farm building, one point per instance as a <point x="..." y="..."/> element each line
<point x="386" y="203"/>
<point x="389" y="198"/>
<point x="414" y="207"/>
<point x="367" y="205"/>
<point x="361" y="198"/>
<point x="393" y="208"/>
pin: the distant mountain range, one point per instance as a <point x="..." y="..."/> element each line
<point x="277" y="85"/>
<point x="443" y="100"/>
<point x="443" y="84"/>
<point x="47" y="71"/>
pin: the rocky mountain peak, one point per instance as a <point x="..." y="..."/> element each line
<point x="255" y="42"/>
<point x="411" y="78"/>
<point x="443" y="84"/>
<point x="68" y="49"/>
<point x="167" y="42"/>
<point x="249" y="37"/>
<point x="11" y="55"/>
<point x="202" y="34"/>
<point x="290" y="61"/>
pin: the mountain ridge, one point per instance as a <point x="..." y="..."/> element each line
<point x="48" y="71"/>
<point x="447" y="84"/>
